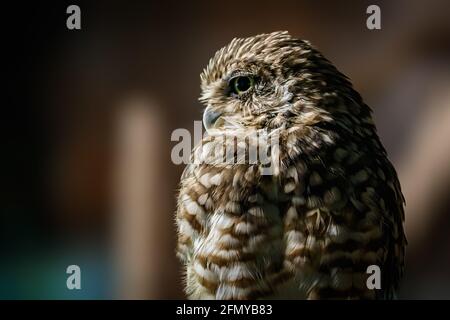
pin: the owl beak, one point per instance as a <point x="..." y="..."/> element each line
<point x="210" y="117"/>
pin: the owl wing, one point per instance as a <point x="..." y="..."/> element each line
<point x="394" y="216"/>
<point x="345" y="214"/>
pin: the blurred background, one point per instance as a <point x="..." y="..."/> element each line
<point x="88" y="114"/>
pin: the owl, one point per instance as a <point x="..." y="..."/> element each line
<point x="329" y="207"/>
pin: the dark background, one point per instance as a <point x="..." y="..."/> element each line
<point x="87" y="177"/>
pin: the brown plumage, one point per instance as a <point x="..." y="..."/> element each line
<point x="332" y="204"/>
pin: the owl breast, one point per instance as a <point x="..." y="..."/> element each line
<point x="309" y="232"/>
<point x="238" y="254"/>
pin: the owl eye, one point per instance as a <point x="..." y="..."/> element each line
<point x="241" y="84"/>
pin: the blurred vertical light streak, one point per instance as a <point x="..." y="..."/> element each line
<point x="139" y="237"/>
<point x="425" y="172"/>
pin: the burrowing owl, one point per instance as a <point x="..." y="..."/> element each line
<point x="331" y="207"/>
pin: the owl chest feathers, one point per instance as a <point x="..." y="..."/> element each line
<point x="309" y="230"/>
<point x="255" y="236"/>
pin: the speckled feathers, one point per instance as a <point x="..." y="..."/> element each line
<point x="333" y="206"/>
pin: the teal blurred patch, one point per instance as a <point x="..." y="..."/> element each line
<point x="43" y="276"/>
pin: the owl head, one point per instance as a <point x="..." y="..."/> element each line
<point x="272" y="81"/>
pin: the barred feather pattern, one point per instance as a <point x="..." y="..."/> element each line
<point x="332" y="208"/>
